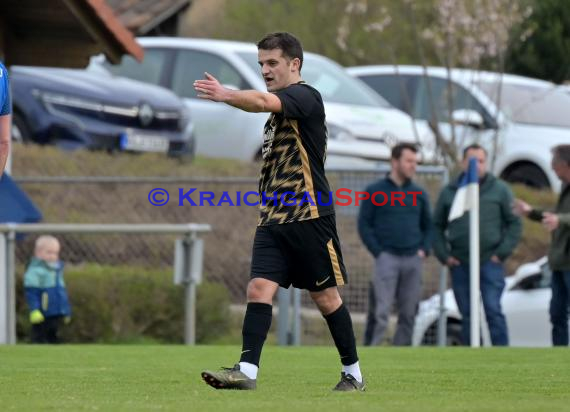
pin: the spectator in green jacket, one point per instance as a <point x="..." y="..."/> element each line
<point x="500" y="231"/>
<point x="558" y="223"/>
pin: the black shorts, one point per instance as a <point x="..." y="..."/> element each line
<point x="304" y="254"/>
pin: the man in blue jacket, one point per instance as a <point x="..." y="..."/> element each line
<point x="395" y="225"/>
<point x="45" y="291"/>
<point x="5" y="117"/>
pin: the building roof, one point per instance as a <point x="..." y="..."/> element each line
<point x="62" y="33"/>
<point x="141" y="16"/>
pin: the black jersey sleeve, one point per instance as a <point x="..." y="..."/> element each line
<point x="298" y="101"/>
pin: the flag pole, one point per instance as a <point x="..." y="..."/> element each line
<point x="474" y="269"/>
<point x="467" y="198"/>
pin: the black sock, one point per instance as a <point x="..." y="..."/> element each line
<point x="340" y="326"/>
<point x="256" y="324"/>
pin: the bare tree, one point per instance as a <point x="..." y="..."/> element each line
<point x="466" y="33"/>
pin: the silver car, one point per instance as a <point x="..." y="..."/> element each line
<point x="517" y="119"/>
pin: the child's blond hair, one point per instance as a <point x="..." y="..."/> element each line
<point x="44" y="241"/>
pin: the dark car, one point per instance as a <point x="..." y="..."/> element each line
<point x="77" y="108"/>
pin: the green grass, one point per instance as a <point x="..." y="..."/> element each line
<point x="139" y="378"/>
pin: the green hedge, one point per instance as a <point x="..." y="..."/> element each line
<point x="121" y="304"/>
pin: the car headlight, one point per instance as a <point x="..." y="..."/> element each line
<point x="57" y="99"/>
<point x="339" y="133"/>
<point x="62" y="100"/>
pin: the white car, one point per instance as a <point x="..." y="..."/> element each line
<point x="525" y="303"/>
<point x="527" y="118"/>
<point x="360" y="123"/>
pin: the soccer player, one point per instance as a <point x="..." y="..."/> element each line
<point x="294" y="244"/>
<point x="5" y="117"/>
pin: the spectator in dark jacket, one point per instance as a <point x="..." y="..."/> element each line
<point x="398" y="234"/>
<point x="45" y="291"/>
<point x="500" y="231"/>
<point x="558" y="223"/>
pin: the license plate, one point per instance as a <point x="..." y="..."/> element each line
<point x="141" y="142"/>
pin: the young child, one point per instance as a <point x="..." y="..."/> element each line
<point x="45" y="291"/>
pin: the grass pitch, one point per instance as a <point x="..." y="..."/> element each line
<point x="167" y="378"/>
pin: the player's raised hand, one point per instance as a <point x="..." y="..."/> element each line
<point x="210" y="89"/>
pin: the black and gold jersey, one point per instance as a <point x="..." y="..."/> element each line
<point x="292" y="185"/>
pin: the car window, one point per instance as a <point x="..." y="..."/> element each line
<point x="546" y="106"/>
<point x="149" y="71"/>
<point x="331" y="80"/>
<point x="397" y="89"/>
<point x="191" y="65"/>
<point x="439" y="100"/>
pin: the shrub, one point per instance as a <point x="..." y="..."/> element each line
<point x="120" y="304"/>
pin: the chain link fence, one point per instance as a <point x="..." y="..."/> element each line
<point x="228" y="247"/>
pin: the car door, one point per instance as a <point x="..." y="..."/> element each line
<point x="433" y="98"/>
<point x="220" y="128"/>
<point x="525" y="306"/>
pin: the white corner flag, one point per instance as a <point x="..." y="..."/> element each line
<point x="467" y="199"/>
<point x="467" y="193"/>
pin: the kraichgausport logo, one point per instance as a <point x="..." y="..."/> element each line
<point x="345" y="197"/>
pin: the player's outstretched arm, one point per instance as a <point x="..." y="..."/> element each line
<point x="248" y="100"/>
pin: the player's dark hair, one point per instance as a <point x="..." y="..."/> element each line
<point x="289" y="45"/>
<point x="400" y="147"/>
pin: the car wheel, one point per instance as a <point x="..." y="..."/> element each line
<point x="527" y="174"/>
<point x="184" y="158"/>
<point x="453" y="335"/>
<point x="21" y="132"/>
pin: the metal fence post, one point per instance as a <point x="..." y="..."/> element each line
<point x="8" y="287"/>
<point x="296" y="340"/>
<point x="11" y="284"/>
<point x="442" y="321"/>
<point x="284" y="300"/>
<point x="189" y="295"/>
<point x="194" y="251"/>
<point x="190" y="318"/>
<point x="289" y="321"/>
